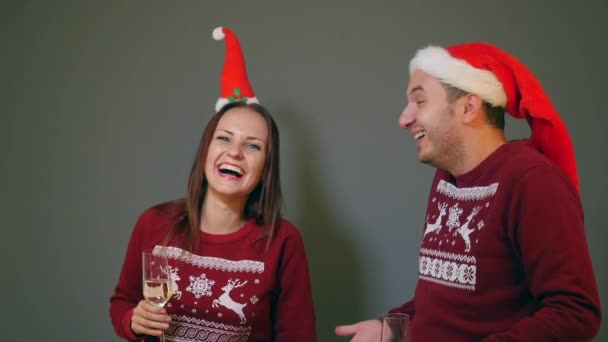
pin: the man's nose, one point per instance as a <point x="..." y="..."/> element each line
<point x="407" y="117"/>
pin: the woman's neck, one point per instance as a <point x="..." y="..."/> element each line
<point x="221" y="216"/>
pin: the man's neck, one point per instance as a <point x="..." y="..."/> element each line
<point x="479" y="147"/>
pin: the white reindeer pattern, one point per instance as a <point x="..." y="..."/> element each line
<point x="464" y="229"/>
<point x="172" y="272"/>
<point x="225" y="300"/>
<point x="435" y="227"/>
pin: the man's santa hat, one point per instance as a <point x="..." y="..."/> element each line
<point x="235" y="85"/>
<point x="501" y="80"/>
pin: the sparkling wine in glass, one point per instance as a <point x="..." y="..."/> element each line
<point x="156" y="278"/>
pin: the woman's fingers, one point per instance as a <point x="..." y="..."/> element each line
<point x="148" y="319"/>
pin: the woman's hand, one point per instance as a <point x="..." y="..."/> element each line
<point x="148" y="319"/>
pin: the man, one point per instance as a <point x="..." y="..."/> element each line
<point x="504" y="255"/>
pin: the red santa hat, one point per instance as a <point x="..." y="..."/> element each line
<point x="235" y="85"/>
<point x="501" y="80"/>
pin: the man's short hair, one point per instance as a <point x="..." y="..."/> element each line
<point x="494" y="114"/>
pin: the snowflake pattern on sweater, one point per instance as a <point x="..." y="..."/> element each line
<point x="215" y="288"/>
<point x="447" y="255"/>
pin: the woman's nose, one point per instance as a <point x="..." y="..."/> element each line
<point x="235" y="151"/>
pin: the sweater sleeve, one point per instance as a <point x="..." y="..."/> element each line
<point x="128" y="291"/>
<point x="407" y="308"/>
<point x="548" y="234"/>
<point x="293" y="313"/>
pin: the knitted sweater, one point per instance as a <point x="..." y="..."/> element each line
<point x="234" y="290"/>
<point x="504" y="255"/>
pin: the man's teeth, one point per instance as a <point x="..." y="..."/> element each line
<point x="419" y="135"/>
<point x="227" y="167"/>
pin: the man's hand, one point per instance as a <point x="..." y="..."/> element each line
<point x="364" y="331"/>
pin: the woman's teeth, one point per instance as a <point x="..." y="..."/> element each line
<point x="231" y="169"/>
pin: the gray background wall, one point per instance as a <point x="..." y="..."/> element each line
<point x="103" y="104"/>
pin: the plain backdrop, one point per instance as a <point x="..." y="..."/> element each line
<point x="103" y="104"/>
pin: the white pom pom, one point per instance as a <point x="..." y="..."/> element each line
<point x="218" y="33"/>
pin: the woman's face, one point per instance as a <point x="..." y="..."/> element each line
<point x="237" y="153"/>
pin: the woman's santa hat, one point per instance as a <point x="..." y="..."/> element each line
<point x="235" y="85"/>
<point x="501" y="80"/>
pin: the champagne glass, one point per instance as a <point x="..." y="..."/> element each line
<point x="396" y="328"/>
<point x="156" y="279"/>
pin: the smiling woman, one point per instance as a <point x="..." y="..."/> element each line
<point x="237" y="153"/>
<point x="238" y="270"/>
<point x="237" y="164"/>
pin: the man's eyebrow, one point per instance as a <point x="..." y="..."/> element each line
<point x="415" y="89"/>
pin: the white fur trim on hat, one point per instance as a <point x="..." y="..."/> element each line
<point x="437" y="62"/>
<point x="222" y="101"/>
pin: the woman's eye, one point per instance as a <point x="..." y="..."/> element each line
<point x="254" y="147"/>
<point x="223" y="138"/>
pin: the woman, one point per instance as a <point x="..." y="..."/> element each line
<point x="239" y="271"/>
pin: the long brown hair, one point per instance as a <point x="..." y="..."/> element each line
<point x="265" y="201"/>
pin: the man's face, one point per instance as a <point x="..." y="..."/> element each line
<point x="430" y="118"/>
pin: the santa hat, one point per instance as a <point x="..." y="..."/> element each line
<point x="501" y="80"/>
<point x="235" y="84"/>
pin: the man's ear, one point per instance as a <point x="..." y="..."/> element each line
<point x="473" y="106"/>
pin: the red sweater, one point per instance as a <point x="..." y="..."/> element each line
<point x="504" y="255"/>
<point x="234" y="291"/>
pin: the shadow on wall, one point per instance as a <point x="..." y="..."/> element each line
<point x="334" y="262"/>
